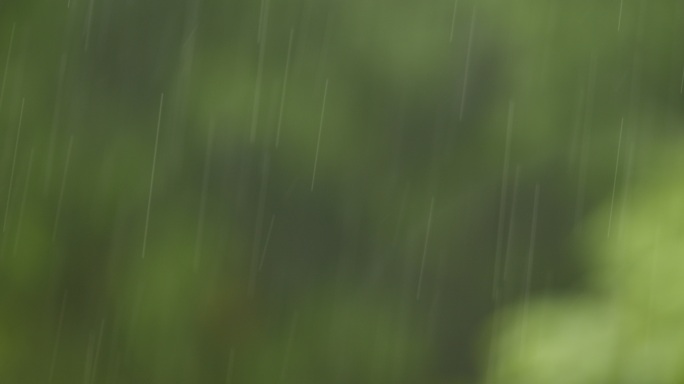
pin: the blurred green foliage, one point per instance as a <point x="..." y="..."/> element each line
<point x="391" y="260"/>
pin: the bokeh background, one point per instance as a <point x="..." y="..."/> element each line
<point x="328" y="191"/>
